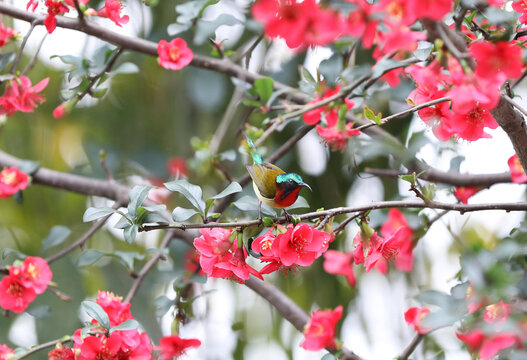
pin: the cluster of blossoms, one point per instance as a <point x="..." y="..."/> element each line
<point x="472" y="93"/>
<point x="118" y="344"/>
<point x="23" y="283"/>
<point x="320" y="330"/>
<point x="6" y="35"/>
<point x="485" y="337"/>
<point x="111" y="10"/>
<point x="393" y="244"/>
<point x="21" y="95"/>
<point x="12" y="180"/>
<point x="337" y="131"/>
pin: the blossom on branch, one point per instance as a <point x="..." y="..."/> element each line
<point x="20" y="95"/>
<point x="414" y="317"/>
<point x="174" y="55"/>
<point x="112" y="10"/>
<point x="35" y="273"/>
<point x="320" y="330"/>
<point x="517" y="173"/>
<point x="6" y="34"/>
<point x="174" y="346"/>
<point x="117" y="310"/>
<point x="14" y="295"/>
<point x="463" y="193"/>
<point x="12" y="180"/>
<point x="61" y="353"/>
<point x="5" y="351"/>
<point x="488" y="346"/>
<point x="55" y="7"/>
<point x="339" y="263"/>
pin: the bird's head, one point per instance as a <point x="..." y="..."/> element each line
<point x="288" y="186"/>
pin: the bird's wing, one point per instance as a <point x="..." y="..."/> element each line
<point x="264" y="176"/>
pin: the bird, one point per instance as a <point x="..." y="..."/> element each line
<point x="272" y="185"/>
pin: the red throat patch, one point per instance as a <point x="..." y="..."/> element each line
<point x="287" y="200"/>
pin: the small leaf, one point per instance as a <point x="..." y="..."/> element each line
<point x="251" y="103"/>
<point x="181" y="214"/>
<point x="96" y="312"/>
<point x="93" y="213"/>
<point x="163" y="304"/>
<point x="191" y="192"/>
<point x="233" y="188"/>
<point x="89" y="257"/>
<point x="99" y="93"/>
<point x="409" y="178"/>
<point x="127" y="258"/>
<point x="29" y="167"/>
<point x="130" y="232"/>
<point x="154" y="218"/>
<point x="137" y="195"/>
<point x="159" y="207"/>
<point x="267" y="221"/>
<point x="174" y="29"/>
<point x="424" y="49"/>
<point x="264" y="88"/>
<point x="248" y="203"/>
<point x="6" y="59"/>
<point x="129" y="324"/>
<point x="370" y="115"/>
<point x="56" y="236"/>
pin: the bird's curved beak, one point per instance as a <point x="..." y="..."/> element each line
<point x="305" y="185"/>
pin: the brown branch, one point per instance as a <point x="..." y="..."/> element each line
<point x="455" y="179"/>
<point x="411" y="347"/>
<point x="37" y="348"/>
<point x="23" y="45"/>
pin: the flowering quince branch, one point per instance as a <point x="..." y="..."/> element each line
<point x="515" y="104"/>
<point x="43" y="346"/>
<point x="411" y="347"/>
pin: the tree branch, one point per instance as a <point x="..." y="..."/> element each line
<point x="411" y="347"/>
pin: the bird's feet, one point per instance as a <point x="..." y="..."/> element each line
<point x="288" y="218"/>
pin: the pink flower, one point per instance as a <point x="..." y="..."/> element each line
<point x="100" y="347"/>
<point x="521" y="7"/>
<point x="174" y="346"/>
<point x="174" y="55"/>
<point x="61" y="353"/>
<point x="112" y="10"/>
<point x="12" y="180"/>
<point x="338" y="263"/>
<point x="404" y="259"/>
<point x="264" y="244"/>
<point x="35" y="273"/>
<point x="59" y="111"/>
<point x="335" y="138"/>
<point x="177" y="167"/>
<point x="191" y="263"/>
<point x="14" y="295"/>
<point x="488" y="346"/>
<point x="19" y="95"/>
<point x="414" y="317"/>
<point x="32" y="4"/>
<point x="55" y="7"/>
<point x="463" y="193"/>
<point x="470" y="126"/>
<point x="428" y="9"/>
<point x="380" y="250"/>
<point x="5" y="351"/>
<point x="517" y="173"/>
<point x="494" y="59"/>
<point x="300" y="245"/>
<point x="113" y="305"/>
<point x="497" y="313"/>
<point x="320" y="330"/>
<point x="330" y="111"/>
<point x="6" y="34"/>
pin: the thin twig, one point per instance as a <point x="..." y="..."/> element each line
<point x="23" y="45"/>
<point x="35" y="56"/>
<point x="345" y="223"/>
<point x="411" y="347"/>
<point x="79" y="11"/>
<point x="37" y="348"/>
<point x="515" y="104"/>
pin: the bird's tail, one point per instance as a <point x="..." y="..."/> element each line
<point x="257" y="158"/>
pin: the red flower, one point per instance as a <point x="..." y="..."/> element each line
<point x="335" y="138"/>
<point x="381" y="250"/>
<point x="463" y="193"/>
<point x="6" y="34"/>
<point x="5" y="351"/>
<point x="428" y="9"/>
<point x="517" y="174"/>
<point x="112" y="10"/>
<point x="495" y="59"/>
<point x="404" y="260"/>
<point x="174" y="346"/>
<point x="488" y="345"/>
<point x="19" y="95"/>
<point x="521" y="7"/>
<point x="35" y="273"/>
<point x="100" y="347"/>
<point x="177" y="167"/>
<point x="300" y="245"/>
<point x="414" y="316"/>
<point x="330" y="111"/>
<point x="320" y="331"/>
<point x="338" y="263"/>
<point x="470" y="126"/>
<point x="59" y="111"/>
<point x="61" y="353"/>
<point x="33" y="4"/>
<point x="191" y="263"/>
<point x="14" y="295"/>
<point x="174" y="55"/>
<point x="264" y="244"/>
<point x="117" y="311"/>
<point x="300" y="24"/>
<point x="55" y="7"/>
<point x="12" y="180"/>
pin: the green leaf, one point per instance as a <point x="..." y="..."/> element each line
<point x="93" y="213"/>
<point x="154" y="218"/>
<point x="331" y="68"/>
<point x="191" y="192"/>
<point x="158" y="207"/>
<point x="251" y="103"/>
<point x="96" y="312"/>
<point x="264" y="88"/>
<point x="39" y="312"/>
<point x="99" y="93"/>
<point x="497" y="16"/>
<point x="267" y="221"/>
<point x="126" y="68"/>
<point x="29" y="167"/>
<point x="249" y="203"/>
<point x="6" y="59"/>
<point x="330" y="356"/>
<point x="206" y="28"/>
<point x="424" y="49"/>
<point x="191" y="10"/>
<point x="130" y="232"/>
<point x="89" y="257"/>
<point x="127" y="258"/>
<point x="163" y="304"/>
<point x="137" y="195"/>
<point x="385" y="66"/>
<point x="233" y="188"/>
<point x="129" y="324"/>
<point x="370" y="115"/>
<point x="56" y="236"/>
<point x="181" y="214"/>
<point x="174" y="29"/>
<point x="409" y="178"/>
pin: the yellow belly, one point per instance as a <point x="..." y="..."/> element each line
<point x="266" y="201"/>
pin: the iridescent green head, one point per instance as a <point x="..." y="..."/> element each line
<point x="290" y="181"/>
